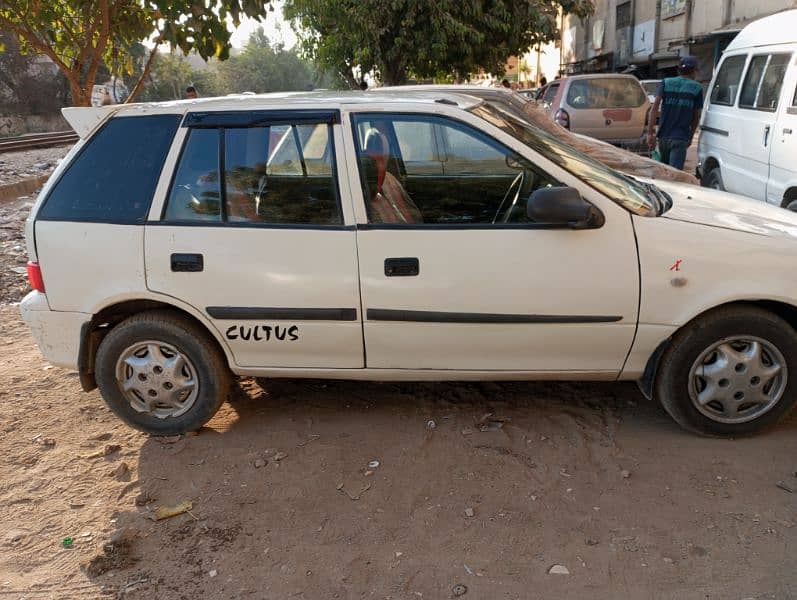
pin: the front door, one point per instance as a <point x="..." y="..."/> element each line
<point x="747" y="172"/>
<point x="252" y="235"/>
<point x="455" y="276"/>
<point x="783" y="167"/>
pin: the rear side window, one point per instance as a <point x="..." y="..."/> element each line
<point x="278" y="174"/>
<point x="605" y="93"/>
<point x="726" y="85"/>
<point x="113" y="177"/>
<point x="550" y="93"/>
<point x="763" y="82"/>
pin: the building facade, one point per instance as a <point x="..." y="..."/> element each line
<point x="647" y="37"/>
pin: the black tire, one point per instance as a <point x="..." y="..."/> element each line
<point x="713" y="179"/>
<point x="672" y="378"/>
<point x="790" y="205"/>
<point x="212" y="372"/>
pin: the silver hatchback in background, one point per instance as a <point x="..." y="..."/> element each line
<point x="609" y="107"/>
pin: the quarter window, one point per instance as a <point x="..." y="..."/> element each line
<point x="481" y="182"/>
<point x="726" y="85"/>
<point x="763" y="82"/>
<point x="279" y="174"/>
<point x="113" y="177"/>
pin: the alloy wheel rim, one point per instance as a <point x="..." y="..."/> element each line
<point x="157" y="379"/>
<point x="737" y="379"/>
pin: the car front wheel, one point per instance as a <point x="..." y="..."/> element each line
<point x="730" y="372"/>
<point x="161" y="373"/>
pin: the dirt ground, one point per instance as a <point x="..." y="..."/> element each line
<point x="479" y="491"/>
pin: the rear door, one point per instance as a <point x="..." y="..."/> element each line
<point x="607" y="108"/>
<point x="253" y="234"/>
<point x="783" y="160"/>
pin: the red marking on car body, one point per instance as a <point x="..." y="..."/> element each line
<point x="676" y="266"/>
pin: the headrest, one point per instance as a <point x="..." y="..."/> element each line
<point x="376" y="148"/>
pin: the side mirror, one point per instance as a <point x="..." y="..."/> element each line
<point x="563" y="206"/>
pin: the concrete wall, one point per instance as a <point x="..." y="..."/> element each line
<point x="19" y="124"/>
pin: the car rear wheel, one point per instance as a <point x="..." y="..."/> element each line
<point x="713" y="180"/>
<point x="161" y="373"/>
<point x="730" y="372"/>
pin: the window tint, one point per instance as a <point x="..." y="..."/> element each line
<point x="751" y="81"/>
<point x="196" y="192"/>
<point x="482" y="182"/>
<point x="726" y="85"/>
<point x="281" y="174"/>
<point x="771" y="84"/>
<point x="291" y="187"/>
<point x="794" y="100"/>
<point x="611" y="92"/>
<point x="114" y="176"/>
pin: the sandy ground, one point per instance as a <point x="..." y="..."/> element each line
<point x="587" y="478"/>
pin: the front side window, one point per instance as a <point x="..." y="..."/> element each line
<point x="478" y="182"/>
<point x="726" y="84"/>
<point x="278" y="174"/>
<point x="763" y="82"/>
<point x="114" y="176"/>
<point x="550" y="93"/>
<point x="611" y="92"/>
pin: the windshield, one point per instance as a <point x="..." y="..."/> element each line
<point x="629" y="193"/>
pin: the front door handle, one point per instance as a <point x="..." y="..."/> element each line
<point x="189" y="263"/>
<point x="402" y="267"/>
<point x="787" y="130"/>
<point x="766" y="135"/>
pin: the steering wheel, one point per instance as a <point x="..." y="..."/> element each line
<point x="517" y="182"/>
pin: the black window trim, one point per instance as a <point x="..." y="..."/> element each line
<point x="739" y="83"/>
<point x="260" y="118"/>
<point x="86" y="143"/>
<point x="304" y="117"/>
<point x="488" y="139"/>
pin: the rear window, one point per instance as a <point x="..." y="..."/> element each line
<point x="611" y="92"/>
<point x="113" y="177"/>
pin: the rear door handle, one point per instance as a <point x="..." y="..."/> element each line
<point x="402" y="267"/>
<point x="190" y="263"/>
<point x="766" y="135"/>
<point x="787" y="131"/>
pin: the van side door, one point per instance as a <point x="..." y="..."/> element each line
<point x="782" y="184"/>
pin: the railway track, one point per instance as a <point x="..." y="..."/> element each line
<point x="37" y="140"/>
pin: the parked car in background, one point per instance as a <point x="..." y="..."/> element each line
<point x="748" y="130"/>
<point x="395" y="237"/>
<point x="651" y="88"/>
<point x="609" y="107"/>
<point x="530" y="111"/>
<point x="529" y="93"/>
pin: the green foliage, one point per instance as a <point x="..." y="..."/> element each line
<point x="398" y="38"/>
<point x="79" y="35"/>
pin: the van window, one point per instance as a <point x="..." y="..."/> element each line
<point x="726" y="85"/>
<point x="113" y="177"/>
<point x="763" y="82"/>
<point x="612" y="92"/>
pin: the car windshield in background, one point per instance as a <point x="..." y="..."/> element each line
<point x="633" y="195"/>
<point x="651" y="87"/>
<point x="611" y="92"/>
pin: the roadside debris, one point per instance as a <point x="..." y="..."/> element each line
<point x="107" y="451"/>
<point x="431" y="425"/>
<point x="280" y="456"/>
<point x="260" y="463"/>
<point x="785" y="486"/>
<point x="67" y="542"/>
<point x="166" y="512"/>
<point x="374" y="464"/>
<point x="357" y="496"/>
<point x="625" y="474"/>
<point x="489" y="422"/>
<point x="459" y="589"/>
<point x="469" y="512"/>
<point x="558" y="570"/>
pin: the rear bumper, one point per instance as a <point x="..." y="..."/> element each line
<point x="58" y="334"/>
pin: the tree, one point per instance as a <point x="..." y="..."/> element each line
<point x="399" y="38"/>
<point x="262" y="67"/>
<point x="80" y="35"/>
<point x="27" y="86"/>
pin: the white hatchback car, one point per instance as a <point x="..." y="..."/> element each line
<point x="406" y="236"/>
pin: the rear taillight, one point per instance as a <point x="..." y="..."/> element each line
<point x="35" y="276"/>
<point x="562" y="118"/>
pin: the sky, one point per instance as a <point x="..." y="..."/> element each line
<point x="277" y="29"/>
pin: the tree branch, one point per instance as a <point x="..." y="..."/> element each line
<point x="102" y="43"/>
<point x="30" y="37"/>
<point x="144" y="74"/>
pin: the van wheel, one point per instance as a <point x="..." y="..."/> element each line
<point x="730" y="372"/>
<point x="161" y="373"/>
<point x="713" y="179"/>
<point x="791" y="205"/>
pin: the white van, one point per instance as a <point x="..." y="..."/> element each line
<point x="748" y="132"/>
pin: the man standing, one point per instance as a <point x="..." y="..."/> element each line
<point x="681" y="100"/>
